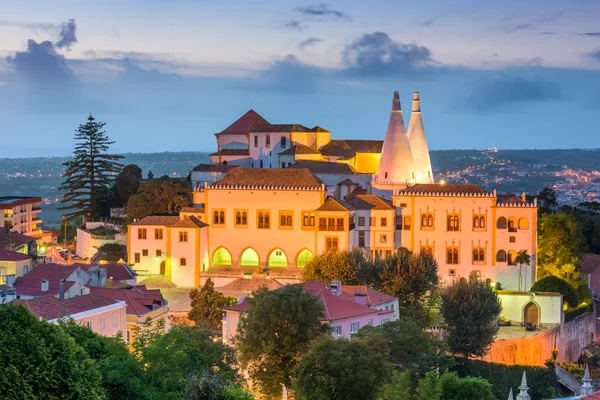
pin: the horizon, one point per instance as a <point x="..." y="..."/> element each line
<point x="506" y="79"/>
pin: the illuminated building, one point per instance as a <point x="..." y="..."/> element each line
<point x="19" y="214"/>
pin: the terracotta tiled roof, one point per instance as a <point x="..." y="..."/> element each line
<point x="196" y="210"/>
<point x="369" y="202"/>
<point x="216" y="168"/>
<point x="249" y="122"/>
<point x="232" y="152"/>
<point x="374" y="297"/>
<point x="19" y="239"/>
<point x="593" y="396"/>
<point x="251" y="285"/>
<point x="189" y="222"/>
<point x="324" y="167"/>
<point x="8" y="255"/>
<point x="165" y="220"/>
<point x="49" y="307"/>
<point x="289" y="128"/>
<point x="284" y="177"/>
<point x="510" y="198"/>
<point x="347" y="149"/>
<point x="346" y="182"/>
<point x="140" y="300"/>
<point x="118" y="272"/>
<point x="26" y="286"/>
<point x="8" y="202"/>
<point x="51" y="271"/>
<point x="333" y="204"/>
<point x="448" y="188"/>
<point x="298" y="149"/>
<point x="589" y="262"/>
<point x="356" y="192"/>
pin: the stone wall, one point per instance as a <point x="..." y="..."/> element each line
<point x="569" y="338"/>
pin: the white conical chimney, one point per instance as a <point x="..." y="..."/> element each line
<point x="586" y="387"/>
<point x="396" y="163"/>
<point x="418" y="143"/>
<point x="523" y="395"/>
<point x="510" y="395"/>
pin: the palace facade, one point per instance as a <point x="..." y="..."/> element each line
<point x="276" y="195"/>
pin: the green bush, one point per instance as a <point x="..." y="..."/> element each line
<point x="555" y="284"/>
<point x="572" y="313"/>
<point x="541" y="380"/>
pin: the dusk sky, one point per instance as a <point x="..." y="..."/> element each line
<point x="167" y="75"/>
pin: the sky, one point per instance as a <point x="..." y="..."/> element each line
<point x="166" y="76"/>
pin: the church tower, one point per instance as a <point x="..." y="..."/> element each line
<point x="418" y="144"/>
<point x="396" y="162"/>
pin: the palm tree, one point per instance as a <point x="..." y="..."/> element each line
<point x="521" y="259"/>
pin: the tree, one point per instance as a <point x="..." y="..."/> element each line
<point x="112" y="252"/>
<point x="341" y="369"/>
<point x="555" y="284"/>
<point x="150" y="175"/>
<point x="413" y="278"/>
<point x="275" y="332"/>
<point x="408" y="346"/>
<point x="146" y="334"/>
<point x="521" y="259"/>
<point x="330" y="265"/>
<point x="399" y="388"/>
<point x="40" y="361"/>
<point x="559" y="244"/>
<point x="127" y="183"/>
<point x="208" y="304"/>
<point x="90" y="171"/>
<point x="210" y="386"/>
<point x="470" y="309"/>
<point x="158" y="196"/>
<point x="546" y="201"/>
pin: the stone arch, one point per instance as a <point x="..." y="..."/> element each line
<point x="277" y="258"/>
<point x="510" y="257"/>
<point x="512" y="224"/>
<point x="531" y="313"/>
<point x="523" y="223"/>
<point x="303" y="257"/>
<point x="502" y="223"/>
<point x="249" y="258"/>
<point x="221" y="256"/>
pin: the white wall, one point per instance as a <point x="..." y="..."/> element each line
<point x="550" y="305"/>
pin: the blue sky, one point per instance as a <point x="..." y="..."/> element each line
<point x="167" y="75"/>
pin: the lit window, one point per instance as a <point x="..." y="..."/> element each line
<point x="183" y="262"/>
<point x="308" y="219"/>
<point x="383" y="239"/>
<point x="183" y="236"/>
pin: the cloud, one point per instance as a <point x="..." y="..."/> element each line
<point x="309" y="42"/>
<point x="520" y="27"/>
<point x="595" y="55"/>
<point x="320" y="11"/>
<point x="67" y="35"/>
<point x="289" y="75"/>
<point x="548" y="33"/>
<point x="508" y="92"/>
<point x="133" y="73"/>
<point x="534" y="24"/>
<point x="428" y="23"/>
<point x="295" y="25"/>
<point x="376" y="54"/>
<point x="34" y="26"/>
<point x="596" y="34"/>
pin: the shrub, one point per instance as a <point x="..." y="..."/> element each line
<point x="555" y="284"/>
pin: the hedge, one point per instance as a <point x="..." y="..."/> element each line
<point x="571" y="313"/>
<point x="555" y="284"/>
<point x="542" y="381"/>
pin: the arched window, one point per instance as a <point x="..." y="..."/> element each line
<point x="501" y="224"/>
<point x="303" y="258"/>
<point x="238" y="218"/>
<point x="249" y="258"/>
<point x="512" y="224"/>
<point x="478" y="255"/>
<point x="261" y="163"/>
<point x="277" y="258"/>
<point x="427" y="250"/>
<point x="222" y="257"/>
<point x="430" y="220"/>
<point x="478" y="221"/>
<point x="221" y="217"/>
<point x="216" y="218"/>
<point x="453" y="223"/>
<point x="512" y="254"/>
<point x="482" y="222"/>
<point x="523" y="223"/>
<point x="424" y="220"/>
<point x="452" y="255"/>
<point x="501" y="256"/>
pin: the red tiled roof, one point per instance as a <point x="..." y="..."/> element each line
<point x="251" y="285"/>
<point x="196" y="210"/>
<point x="217" y="168"/>
<point x="325" y="167"/>
<point x="49" y="307"/>
<point x="333" y="204"/>
<point x="356" y="192"/>
<point x="232" y="152"/>
<point x="347" y="149"/>
<point x="139" y="299"/>
<point x="510" y="198"/>
<point x="374" y="297"/>
<point x="189" y="222"/>
<point x="593" y="396"/>
<point x="298" y="149"/>
<point x="289" y="128"/>
<point x="165" y="220"/>
<point x="50" y="271"/>
<point x="347" y="182"/>
<point x="26" y="286"/>
<point x="249" y="122"/>
<point x="369" y="202"/>
<point x="9" y="255"/>
<point x="284" y="177"/>
<point x="8" y="202"/>
<point x="18" y="238"/>
<point x="448" y="188"/>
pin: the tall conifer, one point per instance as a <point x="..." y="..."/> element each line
<point x="90" y="171"/>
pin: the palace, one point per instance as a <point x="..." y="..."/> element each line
<point x="276" y="195"/>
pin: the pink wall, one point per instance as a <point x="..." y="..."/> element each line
<point x="114" y="316"/>
<point x="363" y="320"/>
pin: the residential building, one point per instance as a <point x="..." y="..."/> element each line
<point x="20" y="214"/>
<point x="22" y="243"/>
<point x="13" y="265"/>
<point x="92" y="235"/>
<point x="345" y="313"/>
<point x="101" y="314"/>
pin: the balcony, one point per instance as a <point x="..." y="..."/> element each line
<point x="36" y="219"/>
<point x="36" y="209"/>
<point x="331" y="227"/>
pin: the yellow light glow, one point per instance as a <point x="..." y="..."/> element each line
<point x="442" y="182"/>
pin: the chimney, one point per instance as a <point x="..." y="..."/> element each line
<point x="335" y="287"/>
<point x="61" y="292"/>
<point x="416" y="106"/>
<point x="396" y="102"/>
<point x="360" y="298"/>
<point x="45" y="284"/>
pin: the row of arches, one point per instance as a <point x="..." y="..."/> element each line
<point x="512" y="223"/>
<point x="250" y="258"/>
<point x="507" y="256"/>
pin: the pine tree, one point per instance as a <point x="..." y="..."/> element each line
<point x="150" y="175"/>
<point x="90" y="171"/>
